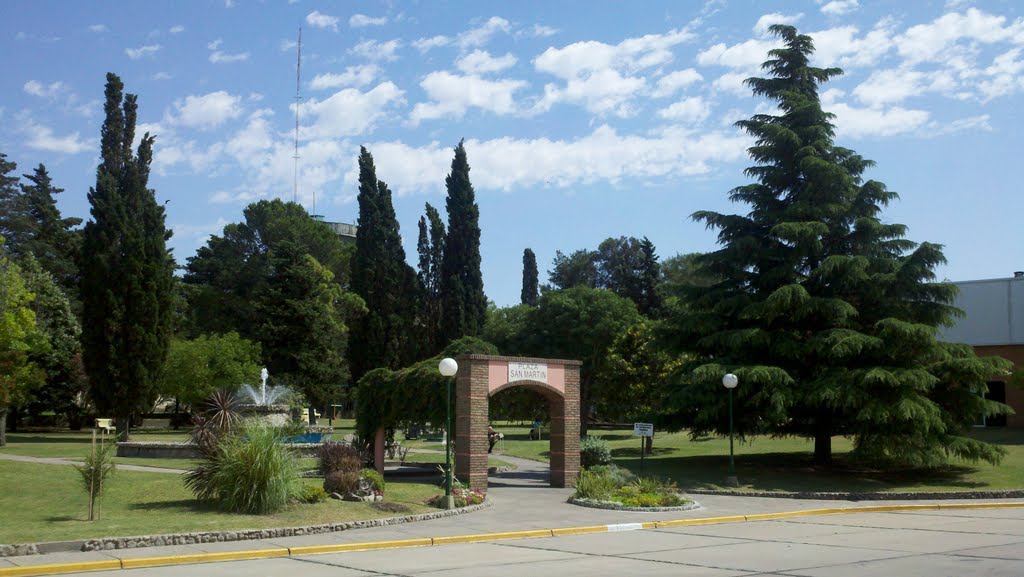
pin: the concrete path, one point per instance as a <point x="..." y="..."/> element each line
<point x="59" y="461"/>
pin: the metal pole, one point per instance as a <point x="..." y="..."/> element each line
<point x="448" y="449"/>
<point x="731" y="480"/>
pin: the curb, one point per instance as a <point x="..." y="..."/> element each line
<point x="865" y="496"/>
<point x="61" y="568"/>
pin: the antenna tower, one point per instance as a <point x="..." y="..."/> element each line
<point x="298" y="99"/>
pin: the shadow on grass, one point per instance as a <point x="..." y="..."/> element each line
<point x="48" y="438"/>
<point x="796" y="472"/>
<point x="178" y="505"/>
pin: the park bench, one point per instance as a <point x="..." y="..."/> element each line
<point x="105" y="425"/>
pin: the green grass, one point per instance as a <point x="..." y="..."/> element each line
<point x="49" y="505"/>
<point x="765" y="464"/>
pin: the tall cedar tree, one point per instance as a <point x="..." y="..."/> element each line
<point x="430" y="248"/>
<point x="381" y="276"/>
<point x="127" y="271"/>
<point x="827" y="315"/>
<point x="52" y="240"/>
<point x="528" y="295"/>
<point x="14" y="221"/>
<point x="464" y="305"/>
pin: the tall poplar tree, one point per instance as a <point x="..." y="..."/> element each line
<point x="826" y="314"/>
<point x="380" y="275"/>
<point x="528" y="295"/>
<point x="127" y="270"/>
<point x="464" y="305"/>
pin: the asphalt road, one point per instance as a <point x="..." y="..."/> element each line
<point x="965" y="543"/>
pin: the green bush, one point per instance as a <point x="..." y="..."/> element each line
<point x="338" y="457"/>
<point x="342" y="482"/>
<point x="592" y="485"/>
<point x="97" y="467"/>
<point x="248" y="472"/>
<point x="313" y="494"/>
<point x="374" y="479"/>
<point x="620" y="475"/>
<point x="594" y="451"/>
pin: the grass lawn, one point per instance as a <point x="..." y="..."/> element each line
<point x="765" y="464"/>
<point x="47" y="503"/>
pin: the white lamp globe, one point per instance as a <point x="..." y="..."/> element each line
<point x="449" y="367"/>
<point x="730" y="381"/>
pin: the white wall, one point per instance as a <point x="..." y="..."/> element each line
<point x="994" y="313"/>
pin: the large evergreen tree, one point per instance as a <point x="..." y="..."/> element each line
<point x="127" y="271"/>
<point x="430" y="248"/>
<point x="828" y="315"/>
<point x="52" y="240"/>
<point x="528" y="296"/>
<point x="464" y="305"/>
<point x="380" y="275"/>
<point x="14" y="219"/>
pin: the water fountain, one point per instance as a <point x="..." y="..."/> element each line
<point x="264" y="399"/>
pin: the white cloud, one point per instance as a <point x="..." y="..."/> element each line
<point x="481" y="62"/>
<point x="374" y="50"/>
<point x="541" y="31"/>
<point x="600" y="76"/>
<point x="693" y="110"/>
<point x="287" y="45"/>
<point x="733" y="83"/>
<point x="602" y="156"/>
<point x="215" y="44"/>
<point x="349" y="112"/>
<point x="1003" y="76"/>
<point x="482" y="34"/>
<point x="361" y="20"/>
<point x="178" y="29"/>
<point x="839" y="7"/>
<point x="256" y="137"/>
<point x="98" y="28"/>
<point x="360" y="75"/>
<point x="854" y="122"/>
<point x="209" y="110"/>
<point x="761" y="27"/>
<point x="452" y="95"/>
<point x="675" y="81"/>
<point x="219" y="57"/>
<point x="932" y="42"/>
<point x="191" y="154"/>
<point x="162" y="76"/>
<point x="425" y="44"/>
<point x="36" y="88"/>
<point x="318" y="20"/>
<point x="747" y="55"/>
<point x="136" y="53"/>
<point x="39" y="137"/>
<point x="841" y="47"/>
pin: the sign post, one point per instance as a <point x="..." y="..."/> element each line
<point x="642" y="430"/>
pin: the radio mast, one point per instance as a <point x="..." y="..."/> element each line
<point x="298" y="99"/>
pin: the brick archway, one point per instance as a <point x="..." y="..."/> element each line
<point x="480" y="376"/>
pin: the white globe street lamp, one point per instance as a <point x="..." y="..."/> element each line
<point x="729" y="381"/>
<point x="448" y="367"/>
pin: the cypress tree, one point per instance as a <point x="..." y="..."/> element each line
<point x="826" y="314"/>
<point x="528" y="296"/>
<point x="463" y="302"/>
<point x="127" y="271"/>
<point x="430" y="248"/>
<point x="381" y="276"/>
<point x="649" y="301"/>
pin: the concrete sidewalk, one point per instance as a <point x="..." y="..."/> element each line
<point x="521" y="501"/>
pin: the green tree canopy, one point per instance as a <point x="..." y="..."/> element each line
<point x="826" y="314"/>
<point x="197" y="368"/>
<point x="626" y="266"/>
<point x="127" y="271"/>
<point x="464" y="305"/>
<point x="528" y="296"/>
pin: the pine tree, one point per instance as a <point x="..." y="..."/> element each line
<point x="52" y="240"/>
<point x="464" y="304"/>
<point x="127" y="271"/>
<point x="648" y="300"/>
<point x="528" y="296"/>
<point x="826" y="314"/>
<point x="14" y="220"/>
<point x="381" y="276"/>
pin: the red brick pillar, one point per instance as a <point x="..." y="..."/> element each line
<point x="471" y="418"/>
<point x="565" y="431"/>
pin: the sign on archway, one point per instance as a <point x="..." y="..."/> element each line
<point x="481" y="376"/>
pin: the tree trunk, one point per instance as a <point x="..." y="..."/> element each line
<point x="3" y="426"/>
<point x="15" y="415"/>
<point x="649" y="444"/>
<point x="823" y="442"/>
<point x="123" y="430"/>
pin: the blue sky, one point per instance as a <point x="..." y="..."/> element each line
<point x="583" y="120"/>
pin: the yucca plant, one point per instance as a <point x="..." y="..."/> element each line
<point x="97" y="467"/>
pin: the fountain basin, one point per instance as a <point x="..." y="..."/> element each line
<point x="273" y="415"/>
<point x="157" y="450"/>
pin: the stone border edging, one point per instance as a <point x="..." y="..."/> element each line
<point x="867" y="496"/>
<point x="135" y="542"/>
<point x="613" y="506"/>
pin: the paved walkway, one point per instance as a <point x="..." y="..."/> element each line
<point x="59" y="461"/>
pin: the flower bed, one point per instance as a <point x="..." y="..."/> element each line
<point x="611" y="487"/>
<point x="462" y="495"/>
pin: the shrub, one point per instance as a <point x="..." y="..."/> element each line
<point x="342" y="482"/>
<point x="97" y="467"/>
<point x="620" y="475"/>
<point x="248" y="472"/>
<point x="374" y="480"/>
<point x="461" y="495"/>
<point x="313" y="494"/>
<point x="594" y="451"/>
<point x="595" y="485"/>
<point x="338" y="457"/>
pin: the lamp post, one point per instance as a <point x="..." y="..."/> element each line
<point x="730" y="381"/>
<point x="448" y="368"/>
